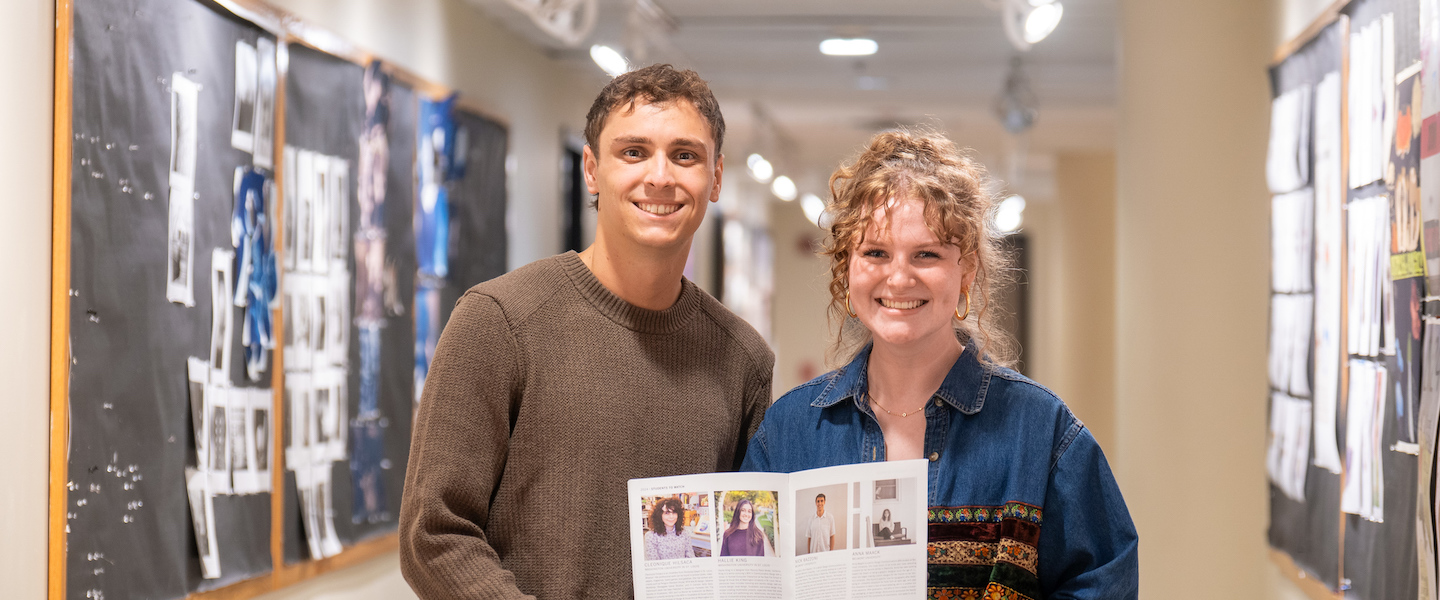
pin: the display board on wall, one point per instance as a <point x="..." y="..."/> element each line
<point x="235" y="295"/>
<point x="1353" y="396"/>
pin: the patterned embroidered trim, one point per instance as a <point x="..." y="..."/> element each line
<point x="1020" y="554"/>
<point x="962" y="553"/>
<point x="992" y="591"/>
<point x="953" y="593"/>
<point x="984" y="553"/>
<point x="985" y="514"/>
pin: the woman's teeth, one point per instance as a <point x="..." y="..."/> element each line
<point x="658" y="209"/>
<point x="901" y="305"/>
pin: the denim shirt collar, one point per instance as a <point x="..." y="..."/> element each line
<point x="964" y="386"/>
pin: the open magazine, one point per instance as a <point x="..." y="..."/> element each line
<point x="852" y="531"/>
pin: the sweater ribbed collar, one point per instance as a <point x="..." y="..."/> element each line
<point x="623" y="313"/>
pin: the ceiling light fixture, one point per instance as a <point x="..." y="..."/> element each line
<point x="1029" y="21"/>
<point x="784" y="188"/>
<point x="848" y="47"/>
<point x="1010" y="214"/>
<point x="813" y="207"/>
<point x="609" y="59"/>
<point x="760" y="168"/>
<point x="1017" y="106"/>
<point x="567" y="21"/>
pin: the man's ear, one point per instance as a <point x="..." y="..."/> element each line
<point x="719" y="170"/>
<point x="588" y="164"/>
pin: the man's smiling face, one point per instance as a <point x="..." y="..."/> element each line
<point x="654" y="172"/>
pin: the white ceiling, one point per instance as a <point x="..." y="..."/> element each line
<point x="942" y="62"/>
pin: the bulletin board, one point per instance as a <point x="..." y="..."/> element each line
<point x="1355" y="263"/>
<point x="237" y="273"/>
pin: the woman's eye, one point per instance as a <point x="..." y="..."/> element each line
<point x="874" y="253"/>
<point x="927" y="254"/>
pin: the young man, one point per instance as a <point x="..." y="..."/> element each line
<point x="821" y="531"/>
<point x="554" y="384"/>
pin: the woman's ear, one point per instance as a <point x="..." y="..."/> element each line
<point x="969" y="266"/>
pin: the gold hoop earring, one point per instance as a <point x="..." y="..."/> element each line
<point x="848" y="308"/>
<point x="958" y="314"/>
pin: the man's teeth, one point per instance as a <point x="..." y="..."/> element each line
<point x="659" y="209"/>
<point x="901" y="305"/>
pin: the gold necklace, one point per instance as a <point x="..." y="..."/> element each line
<point x="903" y="414"/>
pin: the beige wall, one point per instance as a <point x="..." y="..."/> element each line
<point x="1073" y="290"/>
<point x="801" y="330"/>
<point x="25" y="110"/>
<point x="1191" y="275"/>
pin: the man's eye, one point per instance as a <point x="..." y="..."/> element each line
<point x="685" y="156"/>
<point x="632" y="153"/>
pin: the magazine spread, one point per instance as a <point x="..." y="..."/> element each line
<point x="851" y="531"/>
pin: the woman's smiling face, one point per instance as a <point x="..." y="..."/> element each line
<point x="905" y="283"/>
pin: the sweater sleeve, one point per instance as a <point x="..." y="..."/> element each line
<point x="457" y="455"/>
<point x="757" y="401"/>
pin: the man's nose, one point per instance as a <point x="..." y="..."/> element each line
<point x="658" y="172"/>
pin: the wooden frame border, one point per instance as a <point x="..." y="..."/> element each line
<point x="1328" y="16"/>
<point x="287" y="29"/>
<point x="60" y="302"/>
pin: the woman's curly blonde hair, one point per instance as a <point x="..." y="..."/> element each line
<point x="959" y="210"/>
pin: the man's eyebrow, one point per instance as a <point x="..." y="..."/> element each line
<point x="632" y="139"/>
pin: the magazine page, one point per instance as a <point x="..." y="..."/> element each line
<point x="859" y="531"/>
<point x="851" y="531"/>
<point x="717" y="536"/>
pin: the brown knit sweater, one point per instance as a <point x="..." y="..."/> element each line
<point x="546" y="394"/>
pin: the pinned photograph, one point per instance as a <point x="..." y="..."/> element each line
<point x="222" y="317"/>
<point x="180" y="244"/>
<point x="266" y="79"/>
<point x="251" y="473"/>
<point x="339" y="206"/>
<point x="237" y="434"/>
<point x="304" y="176"/>
<point x="319" y="204"/>
<point x="202" y="513"/>
<point x="260" y="454"/>
<point x="184" y="111"/>
<point x="199" y="379"/>
<point x="316" y="510"/>
<point x="218" y="432"/>
<point x="242" y="134"/>
<point x="288" y="201"/>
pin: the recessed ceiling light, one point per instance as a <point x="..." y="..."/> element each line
<point x="609" y="59"/>
<point x="1010" y="214"/>
<point x="848" y="47"/>
<point x="813" y="207"/>
<point x="784" y="188"/>
<point x="760" y="168"/>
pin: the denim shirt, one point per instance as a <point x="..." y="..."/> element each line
<point x="1022" y="501"/>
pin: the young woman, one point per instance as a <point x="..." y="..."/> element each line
<point x="666" y="538"/>
<point x="887" y="526"/>
<point x="1022" y="501"/>
<point x="744" y="536"/>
